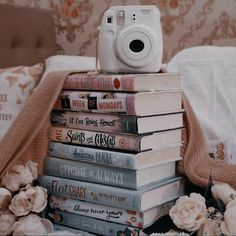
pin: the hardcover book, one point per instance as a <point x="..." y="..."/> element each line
<point x="90" y="224"/>
<point x="139" y="104"/>
<point x="117" y="123"/>
<point x="123" y="82"/>
<point x="146" y="197"/>
<point x="106" y="157"/>
<point x="115" y="141"/>
<point x="57" y="227"/>
<point x="117" y="215"/>
<point x="107" y="175"/>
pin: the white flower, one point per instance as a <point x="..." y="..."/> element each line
<point x="229" y="225"/>
<point x="32" y="225"/>
<point x="5" y="198"/>
<point x="171" y="233"/>
<point x="20" y="204"/>
<point x="29" y="199"/>
<point x="38" y="198"/>
<point x="33" y="166"/>
<point x="189" y="212"/>
<point x="7" y="220"/>
<point x="210" y="227"/>
<point x="223" y="192"/>
<point x="20" y="175"/>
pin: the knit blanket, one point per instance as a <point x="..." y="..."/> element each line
<point x="27" y="137"/>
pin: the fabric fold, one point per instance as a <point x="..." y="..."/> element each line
<point x="27" y="137"/>
<point x="197" y="165"/>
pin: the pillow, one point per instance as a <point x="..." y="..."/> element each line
<point x="16" y="86"/>
<point x="210" y="85"/>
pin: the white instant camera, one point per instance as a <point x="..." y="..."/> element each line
<point x="130" y="40"/>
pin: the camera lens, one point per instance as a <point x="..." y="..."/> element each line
<point x="136" y="45"/>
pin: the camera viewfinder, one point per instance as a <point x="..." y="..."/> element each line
<point x="109" y="19"/>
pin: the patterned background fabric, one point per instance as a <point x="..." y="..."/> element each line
<point x="16" y="86"/>
<point x="185" y="23"/>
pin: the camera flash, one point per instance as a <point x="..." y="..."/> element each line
<point x="121" y="17"/>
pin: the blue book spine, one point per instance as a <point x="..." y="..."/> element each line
<point x="90" y="172"/>
<point x="90" y="224"/>
<point x="96" y="193"/>
<point x="128" y="199"/>
<point x="57" y="227"/>
<point x="93" y="155"/>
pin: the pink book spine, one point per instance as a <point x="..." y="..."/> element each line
<point x="101" y="102"/>
<point x="97" y="139"/>
<point x="100" y="82"/>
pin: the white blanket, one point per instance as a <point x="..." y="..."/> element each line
<point x="210" y="84"/>
<point x="68" y="63"/>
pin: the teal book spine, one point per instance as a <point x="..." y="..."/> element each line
<point x="91" y="172"/>
<point x="93" y="155"/>
<point x="91" y="225"/>
<point x="91" y="192"/>
<point x="128" y="199"/>
<point x="57" y="227"/>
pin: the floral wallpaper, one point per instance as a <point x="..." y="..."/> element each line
<point x="185" y="23"/>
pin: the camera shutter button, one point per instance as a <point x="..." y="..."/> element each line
<point x="109" y="34"/>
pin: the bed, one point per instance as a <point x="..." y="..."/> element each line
<point x="27" y="35"/>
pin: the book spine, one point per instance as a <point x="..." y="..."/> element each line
<point x="117" y="215"/>
<point x="90" y="224"/>
<point x="100" y="82"/>
<point x="57" y="227"/>
<point x="103" y="102"/>
<point x="97" y="139"/>
<point x="90" y="172"/>
<point x="95" y="193"/>
<point x="95" y="121"/>
<point x="93" y="155"/>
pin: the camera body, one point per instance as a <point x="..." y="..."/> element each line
<point x="130" y="40"/>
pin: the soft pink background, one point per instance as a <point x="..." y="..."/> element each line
<point x="185" y="23"/>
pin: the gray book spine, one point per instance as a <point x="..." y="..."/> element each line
<point x="90" y="224"/>
<point x="91" y="172"/>
<point x="91" y="192"/>
<point x="93" y="155"/>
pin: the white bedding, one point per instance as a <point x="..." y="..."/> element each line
<point x="210" y="84"/>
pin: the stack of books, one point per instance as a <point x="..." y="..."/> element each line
<point x="114" y="144"/>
